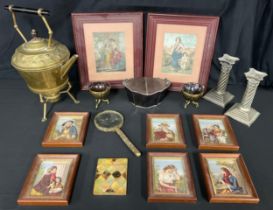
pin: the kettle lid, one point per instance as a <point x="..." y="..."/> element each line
<point x="36" y="54"/>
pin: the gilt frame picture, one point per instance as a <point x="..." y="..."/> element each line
<point x="227" y="178"/>
<point x="109" y="46"/>
<point x="214" y="132"/>
<point x="50" y="180"/>
<point x="66" y="129"/>
<point x="170" y="178"/>
<point x="180" y="48"/>
<point x="164" y="131"/>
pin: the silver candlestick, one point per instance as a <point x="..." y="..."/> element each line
<point x="243" y="112"/>
<point x="219" y="95"/>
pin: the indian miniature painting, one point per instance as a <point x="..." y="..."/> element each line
<point x="111" y="176"/>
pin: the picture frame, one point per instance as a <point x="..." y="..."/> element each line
<point x="214" y="132"/>
<point x="66" y="129"/>
<point x="116" y="51"/>
<point x="172" y="51"/>
<point x="111" y="177"/>
<point x="179" y="190"/>
<point x="234" y="185"/>
<point x="164" y="131"/>
<point x="50" y="180"/>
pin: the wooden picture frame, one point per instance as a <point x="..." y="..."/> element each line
<point x="57" y="135"/>
<point x="230" y="190"/>
<point x="124" y="43"/>
<point x="214" y="132"/>
<point x="174" y="138"/>
<point x="172" y="51"/>
<point x="36" y="192"/>
<point x="164" y="162"/>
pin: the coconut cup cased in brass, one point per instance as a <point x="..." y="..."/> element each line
<point x="100" y="91"/>
<point x="192" y="92"/>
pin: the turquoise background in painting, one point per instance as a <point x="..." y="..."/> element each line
<point x="188" y="40"/>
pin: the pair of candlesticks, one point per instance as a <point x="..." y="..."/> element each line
<point x="242" y="112"/>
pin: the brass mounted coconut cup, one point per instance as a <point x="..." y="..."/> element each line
<point x="43" y="63"/>
<point x="192" y="92"/>
<point x="100" y="91"/>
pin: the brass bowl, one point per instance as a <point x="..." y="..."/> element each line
<point x="100" y="91"/>
<point x="192" y="92"/>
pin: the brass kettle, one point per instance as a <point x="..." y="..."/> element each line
<point x="43" y="63"/>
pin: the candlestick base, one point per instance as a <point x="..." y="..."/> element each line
<point x="245" y="117"/>
<point x="219" y="99"/>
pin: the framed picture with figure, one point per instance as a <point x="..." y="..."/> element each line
<point x="109" y="46"/>
<point x="66" y="129"/>
<point x="170" y="178"/>
<point x="50" y="180"/>
<point x="180" y="47"/>
<point x="227" y="178"/>
<point x="164" y="131"/>
<point x="214" y="132"/>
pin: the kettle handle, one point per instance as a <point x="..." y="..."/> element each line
<point x="40" y="12"/>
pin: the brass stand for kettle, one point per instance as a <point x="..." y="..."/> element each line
<point x="43" y="63"/>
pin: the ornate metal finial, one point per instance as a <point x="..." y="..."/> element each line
<point x="33" y="33"/>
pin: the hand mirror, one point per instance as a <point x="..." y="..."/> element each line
<point x="112" y="121"/>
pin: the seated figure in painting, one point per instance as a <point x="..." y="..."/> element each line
<point x="68" y="131"/>
<point x="43" y="186"/>
<point x="167" y="178"/>
<point x="163" y="133"/>
<point x="214" y="134"/>
<point x="56" y="186"/>
<point x="230" y="182"/>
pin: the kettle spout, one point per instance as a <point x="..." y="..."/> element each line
<point x="66" y="67"/>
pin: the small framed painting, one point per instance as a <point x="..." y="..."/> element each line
<point x="109" y="46"/>
<point x="227" y="178"/>
<point x="111" y="176"/>
<point x="180" y="48"/>
<point x="214" y="132"/>
<point x="50" y="180"/>
<point x="170" y="178"/>
<point x="164" y="131"/>
<point x="66" y="129"/>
